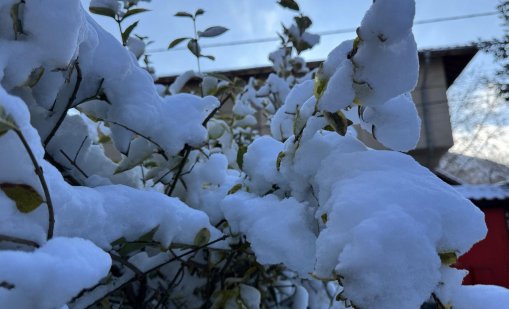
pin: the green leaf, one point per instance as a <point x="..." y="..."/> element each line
<point x="338" y="121"/>
<point x="324" y="218"/>
<point x="127" y="163"/>
<point x="184" y="14"/>
<point x="127" y="32"/>
<point x="134" y="12"/>
<point x="202" y="237"/>
<point x="240" y="155"/>
<point x="234" y="189"/>
<point x="177" y="42"/>
<point x="194" y="47"/>
<point x="34" y="77"/>
<point x="149" y="236"/>
<point x="17" y="23"/>
<point x="289" y="4"/>
<point x="280" y="157"/>
<point x="25" y="197"/>
<point x="150" y="164"/>
<point x="103" y="139"/>
<point x="209" y="57"/>
<point x="6" y="122"/>
<point x="102" y="11"/>
<point x="212" y="32"/>
<point x="320" y="83"/>
<point x="303" y="22"/>
<point x="298" y="122"/>
<point x="129" y="247"/>
<point x="199" y="12"/>
<point x="118" y="242"/>
<point x="448" y="258"/>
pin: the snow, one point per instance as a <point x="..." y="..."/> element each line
<point x="342" y="94"/>
<point x="291" y="243"/>
<point x="318" y="204"/>
<point x="250" y="296"/>
<point x="395" y="124"/>
<point x="388" y="20"/>
<point x="282" y="124"/>
<point x="406" y="212"/>
<point x="336" y="57"/>
<point x="275" y="85"/>
<point x="486" y="192"/>
<point x="208" y="185"/>
<point x="52" y="274"/>
<point x="260" y="163"/>
<point x="380" y="285"/>
<point x="110" y="4"/>
<point x="136" y="46"/>
<point x="480" y="296"/>
<point x="106" y="213"/>
<point x="384" y="70"/>
<point x="182" y="80"/>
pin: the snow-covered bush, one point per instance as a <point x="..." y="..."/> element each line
<point x="307" y="217"/>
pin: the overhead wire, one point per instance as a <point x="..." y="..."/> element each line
<point x="322" y="33"/>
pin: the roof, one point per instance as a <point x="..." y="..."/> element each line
<point x="484" y="192"/>
<point x="455" y="59"/>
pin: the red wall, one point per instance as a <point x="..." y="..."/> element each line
<point x="488" y="260"/>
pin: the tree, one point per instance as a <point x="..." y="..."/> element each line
<point x="194" y="215"/>
<point x="499" y="47"/>
<point x="479" y="115"/>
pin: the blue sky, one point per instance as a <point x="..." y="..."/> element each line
<point x="251" y="19"/>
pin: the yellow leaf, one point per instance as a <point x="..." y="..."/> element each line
<point x="25" y="197"/>
<point x="280" y="157"/>
<point x="235" y="188"/>
<point x="320" y="83"/>
<point x="6" y="122"/>
<point x="34" y="77"/>
<point x="202" y="237"/>
<point x="448" y="258"/>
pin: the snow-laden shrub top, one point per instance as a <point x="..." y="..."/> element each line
<point x="198" y="210"/>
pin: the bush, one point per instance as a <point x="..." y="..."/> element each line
<point x="200" y="211"/>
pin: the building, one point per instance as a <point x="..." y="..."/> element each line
<point x="488" y="261"/>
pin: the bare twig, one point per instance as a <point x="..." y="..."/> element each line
<point x="438" y="302"/>
<point x="20" y="241"/>
<point x="92" y="97"/>
<point x="163" y="153"/>
<point x="73" y="161"/>
<point x="128" y="264"/>
<point x="72" y="98"/>
<point x="40" y="174"/>
<point x="223" y="101"/>
<point x="178" y="276"/>
<point x="171" y="188"/>
<point x="129" y="281"/>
